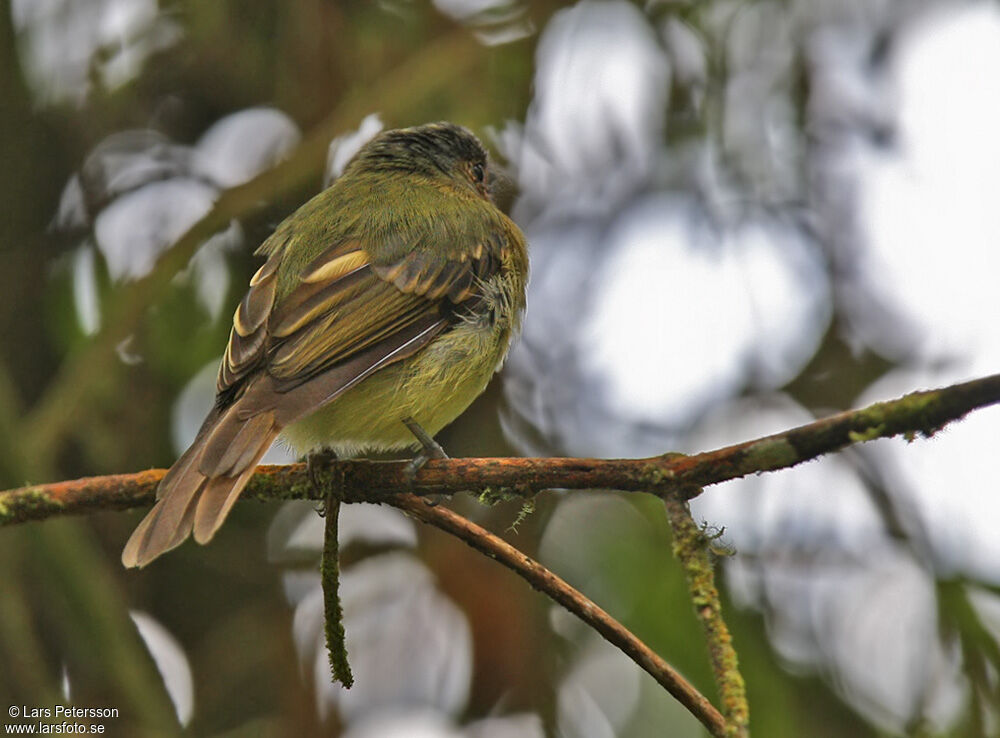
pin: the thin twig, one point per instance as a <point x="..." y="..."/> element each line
<point x="548" y="583"/>
<point x="690" y="548"/>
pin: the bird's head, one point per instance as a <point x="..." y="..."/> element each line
<point x="433" y="150"/>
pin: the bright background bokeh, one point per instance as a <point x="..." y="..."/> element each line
<point x="742" y="216"/>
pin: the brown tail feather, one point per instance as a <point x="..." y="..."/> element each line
<point x="201" y="487"/>
<point x="218" y="497"/>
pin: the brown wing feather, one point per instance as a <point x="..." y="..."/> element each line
<point x="435" y="275"/>
<point x="345" y="327"/>
<point x="344" y="319"/>
<point x="249" y="332"/>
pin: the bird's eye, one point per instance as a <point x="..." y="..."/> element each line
<point x="479" y="172"/>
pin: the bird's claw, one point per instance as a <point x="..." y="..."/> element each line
<point x="315" y="462"/>
<point x="430" y="449"/>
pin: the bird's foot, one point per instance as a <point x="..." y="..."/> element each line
<point x="429" y="449"/>
<point x="316" y="462"/>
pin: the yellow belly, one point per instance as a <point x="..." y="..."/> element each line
<point x="433" y="387"/>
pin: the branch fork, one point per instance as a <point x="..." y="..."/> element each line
<point x="675" y="478"/>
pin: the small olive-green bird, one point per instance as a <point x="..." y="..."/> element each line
<point x="392" y="295"/>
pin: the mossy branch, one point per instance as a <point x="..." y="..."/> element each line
<point x="333" y="612"/>
<point x="672" y="476"/>
<point x="691" y="550"/>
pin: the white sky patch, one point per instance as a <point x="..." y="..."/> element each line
<point x="66" y="687"/>
<point x="136" y="228"/>
<point x="156" y="190"/>
<point x="591" y="83"/>
<point x="409" y="724"/>
<point x="668" y="332"/>
<point x="65" y="44"/>
<point x="684" y="311"/>
<point x="463" y="10"/>
<point x="424" y="723"/>
<point x="343" y="148"/>
<point x="871" y="626"/>
<point x="171" y="661"/>
<point x="85" y="290"/>
<point x="594" y="128"/>
<point x="192" y="405"/>
<point x="123" y="162"/>
<point x="210" y="271"/>
<point x="599" y="694"/>
<point x="240" y="146"/>
<point x="788" y="297"/>
<point x="928" y="208"/>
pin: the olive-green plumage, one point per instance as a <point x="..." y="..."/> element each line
<point x="393" y="294"/>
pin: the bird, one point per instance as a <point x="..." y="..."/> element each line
<point x="384" y="306"/>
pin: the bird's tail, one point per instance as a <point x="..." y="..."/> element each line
<point x="201" y="487"/>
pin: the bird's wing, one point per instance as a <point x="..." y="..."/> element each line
<point x="347" y="315"/>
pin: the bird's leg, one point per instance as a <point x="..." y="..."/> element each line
<point x="315" y="462"/>
<point x="429" y="449"/>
